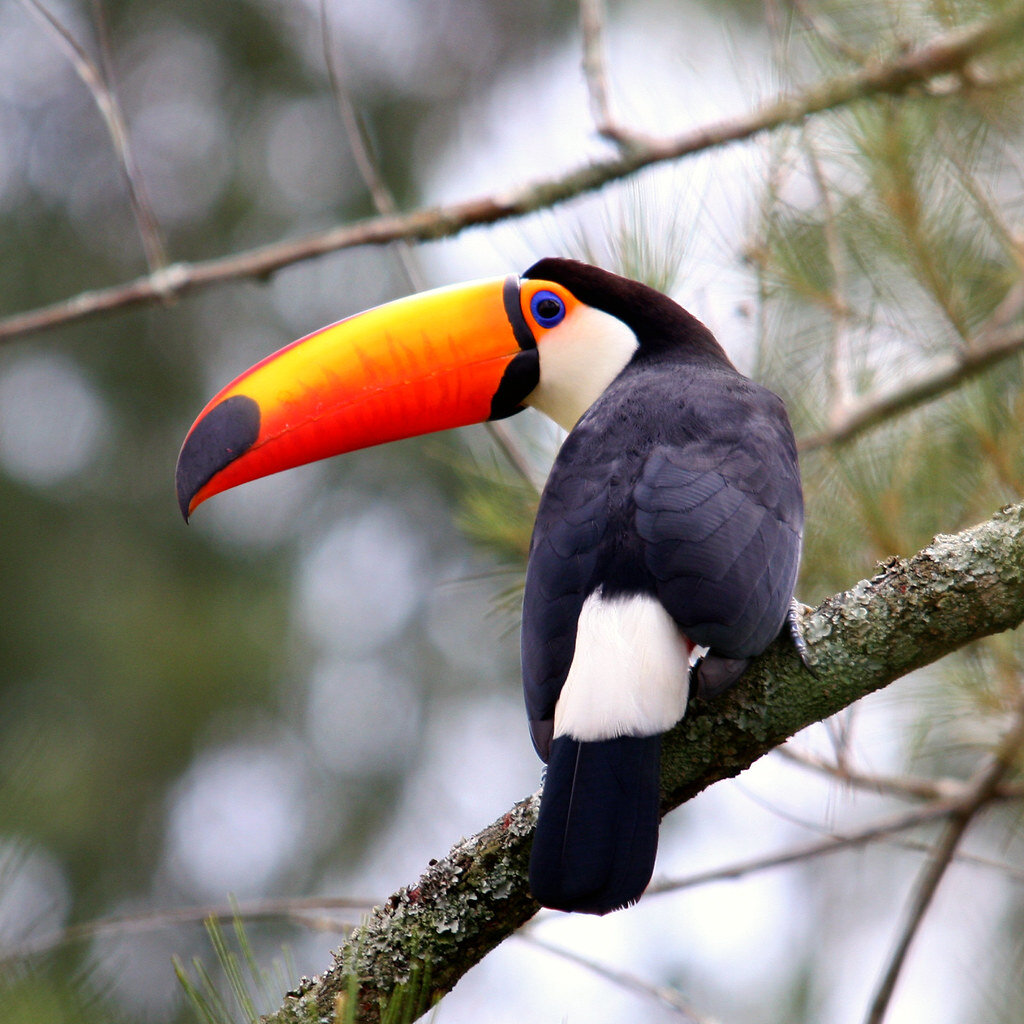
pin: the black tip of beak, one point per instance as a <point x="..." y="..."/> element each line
<point x="226" y="432"/>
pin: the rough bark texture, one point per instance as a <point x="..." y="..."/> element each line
<point x="958" y="589"/>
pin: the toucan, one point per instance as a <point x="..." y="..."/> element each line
<point x="667" y="539"/>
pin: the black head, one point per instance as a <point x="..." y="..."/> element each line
<point x="659" y="323"/>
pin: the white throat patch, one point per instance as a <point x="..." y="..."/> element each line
<point x="579" y="359"/>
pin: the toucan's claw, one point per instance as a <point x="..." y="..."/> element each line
<point x="797" y="612"/>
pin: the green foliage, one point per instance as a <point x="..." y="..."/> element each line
<point x="641" y="234"/>
<point x="253" y="988"/>
<point x="496" y="511"/>
<point x="885" y="240"/>
<point x="901" y="261"/>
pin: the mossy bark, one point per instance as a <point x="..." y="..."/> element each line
<point x="413" y="950"/>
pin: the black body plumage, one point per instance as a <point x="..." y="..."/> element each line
<point x="681" y="484"/>
<point x="577" y="859"/>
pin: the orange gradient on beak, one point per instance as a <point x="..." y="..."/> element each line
<point x="421" y="364"/>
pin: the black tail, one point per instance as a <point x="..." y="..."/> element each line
<point x="597" y="833"/>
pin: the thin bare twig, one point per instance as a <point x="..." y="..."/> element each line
<point x="592" y="27"/>
<point x="99" y="81"/>
<point x="837" y="357"/>
<point x="595" y="75"/>
<point x="669" y="997"/>
<point x="935" y="810"/>
<point x="822" y="29"/>
<point x="981" y="793"/>
<point x="944" y="53"/>
<point x="840" y="732"/>
<point x="383" y="199"/>
<point x="903" y="786"/>
<point x="945" y="375"/>
<point x="908" y="208"/>
<point x="1011" y="242"/>
<point x="513" y="452"/>
<point x="308" y="912"/>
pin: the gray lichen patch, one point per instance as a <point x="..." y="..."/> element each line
<point x="910" y="613"/>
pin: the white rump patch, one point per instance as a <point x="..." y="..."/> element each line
<point x="630" y="674"/>
<point x="579" y="359"/>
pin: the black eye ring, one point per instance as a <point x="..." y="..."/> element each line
<point x="547" y="309"/>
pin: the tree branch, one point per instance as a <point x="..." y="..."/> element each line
<point x="950" y="52"/>
<point x="669" y="997"/>
<point x="958" y="589"/>
<point x="885" y="828"/>
<point x="945" y="375"/>
<point x="906" y="787"/>
<point x="981" y="792"/>
<point x="99" y="80"/>
<point x="362" y="152"/>
<point x="595" y="76"/>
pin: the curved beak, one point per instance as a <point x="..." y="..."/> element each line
<point x="441" y="359"/>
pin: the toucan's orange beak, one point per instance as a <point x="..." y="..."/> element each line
<point x="440" y="359"/>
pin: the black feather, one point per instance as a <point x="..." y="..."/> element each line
<point x="679" y="483"/>
<point x="597" y="834"/>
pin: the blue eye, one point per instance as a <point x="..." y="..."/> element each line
<point x="547" y="309"/>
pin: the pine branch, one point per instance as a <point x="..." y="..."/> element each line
<point x="958" y="589"/>
<point x="945" y="376"/>
<point x="929" y="65"/>
<point x="981" y="793"/>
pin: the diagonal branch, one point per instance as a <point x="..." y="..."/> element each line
<point x="946" y="374"/>
<point x="907" y="787"/>
<point x="938" y="809"/>
<point x="916" y="68"/>
<point x="981" y="793"/>
<point x="595" y="75"/>
<point x="362" y="152"/>
<point x="384" y="203"/>
<point x="958" y="589"/>
<point x="99" y="81"/>
<point x="669" y="997"/>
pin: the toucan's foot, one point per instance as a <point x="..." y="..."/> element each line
<point x="797" y="611"/>
<point x="712" y="675"/>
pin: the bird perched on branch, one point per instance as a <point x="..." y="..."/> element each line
<point x="671" y="520"/>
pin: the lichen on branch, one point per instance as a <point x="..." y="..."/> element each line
<point x="914" y="611"/>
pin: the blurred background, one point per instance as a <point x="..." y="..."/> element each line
<point x="314" y="688"/>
